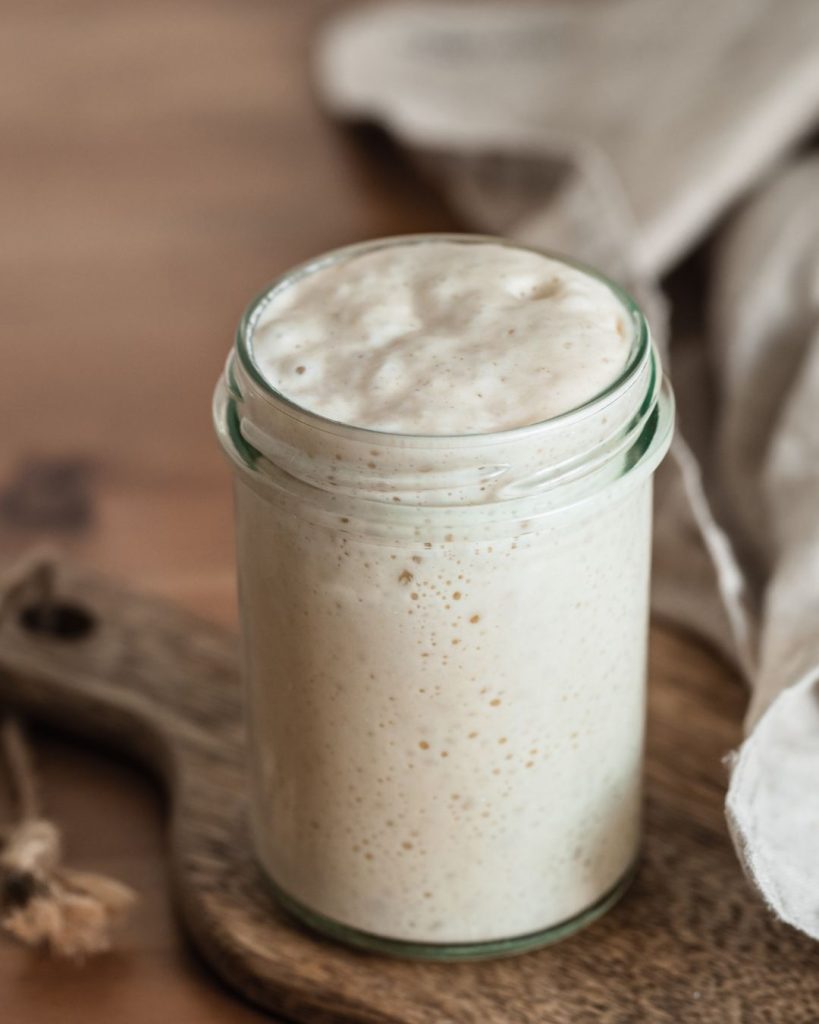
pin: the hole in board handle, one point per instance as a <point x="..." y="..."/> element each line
<point x="59" y="621"/>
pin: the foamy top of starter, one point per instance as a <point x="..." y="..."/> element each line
<point x="442" y="338"/>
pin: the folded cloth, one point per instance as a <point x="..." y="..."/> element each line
<point x="765" y="339"/>
<point x="620" y="131"/>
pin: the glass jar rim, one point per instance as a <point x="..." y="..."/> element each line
<point x="538" y="468"/>
<point x="640" y="348"/>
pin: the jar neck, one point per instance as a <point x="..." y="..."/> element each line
<point x="563" y="458"/>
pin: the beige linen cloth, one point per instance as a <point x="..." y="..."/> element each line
<point x="622" y="132"/>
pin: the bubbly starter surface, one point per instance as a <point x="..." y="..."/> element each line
<point x="446" y="728"/>
<point x="443" y="338"/>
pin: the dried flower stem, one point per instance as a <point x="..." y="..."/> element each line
<point x="43" y="903"/>
<point x="21" y="770"/>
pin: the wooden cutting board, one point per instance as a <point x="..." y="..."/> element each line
<point x="689" y="943"/>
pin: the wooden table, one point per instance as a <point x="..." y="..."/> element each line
<point x="161" y="161"/>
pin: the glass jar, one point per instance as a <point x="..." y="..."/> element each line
<point x="445" y="656"/>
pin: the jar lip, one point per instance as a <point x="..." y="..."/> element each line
<point x="640" y="349"/>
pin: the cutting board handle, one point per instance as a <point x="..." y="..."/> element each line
<point x="96" y="659"/>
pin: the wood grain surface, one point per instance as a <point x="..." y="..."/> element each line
<point x="687" y="944"/>
<point x="160" y="161"/>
